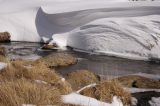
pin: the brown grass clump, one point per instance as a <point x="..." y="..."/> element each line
<point x="58" y="59"/>
<point x="16" y="70"/>
<point x="3" y="58"/>
<point x="2" y="51"/>
<point x="4" y="37"/>
<point x="106" y="90"/>
<point x="18" y="92"/>
<point x="138" y="82"/>
<point x="81" y="78"/>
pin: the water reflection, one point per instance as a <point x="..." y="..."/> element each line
<point x="102" y="65"/>
<point x="105" y="65"/>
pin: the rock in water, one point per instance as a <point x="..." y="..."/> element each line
<point x="5" y="36"/>
<point x="47" y="46"/>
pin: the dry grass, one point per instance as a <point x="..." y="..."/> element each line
<point x="58" y="59"/>
<point x="2" y="51"/>
<point x="4" y="37"/>
<point x="106" y="90"/>
<point x="138" y="82"/>
<point x="81" y="78"/>
<point x="22" y="91"/>
<point x="3" y="58"/>
<point x="16" y="70"/>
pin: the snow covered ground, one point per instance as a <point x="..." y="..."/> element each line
<point x="117" y="27"/>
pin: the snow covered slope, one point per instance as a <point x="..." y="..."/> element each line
<point x="116" y="27"/>
<point x="134" y="38"/>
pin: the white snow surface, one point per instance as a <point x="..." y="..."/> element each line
<point x="136" y="90"/>
<point x="155" y="101"/>
<point x="115" y="27"/>
<point x="77" y="99"/>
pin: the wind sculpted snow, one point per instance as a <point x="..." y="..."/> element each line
<point x="120" y="27"/>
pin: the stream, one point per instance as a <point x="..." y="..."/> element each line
<point x="99" y="64"/>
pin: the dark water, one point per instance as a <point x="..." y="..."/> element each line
<point x="103" y="65"/>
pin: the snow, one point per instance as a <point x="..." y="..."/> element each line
<point x="88" y="86"/>
<point x="151" y="76"/>
<point x="134" y="101"/>
<point x="136" y="90"/>
<point x="115" y="27"/>
<point x="155" y="101"/>
<point x="2" y="65"/>
<point x="77" y="99"/>
<point x="134" y="38"/>
<point x="28" y="105"/>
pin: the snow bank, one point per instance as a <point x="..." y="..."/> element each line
<point x="116" y="27"/>
<point x="77" y="99"/>
<point x="135" y="38"/>
<point x="136" y="90"/>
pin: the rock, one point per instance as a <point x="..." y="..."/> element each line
<point x="4" y="37"/>
<point x="105" y="91"/>
<point x="139" y="82"/>
<point x="47" y="46"/>
<point x="81" y="78"/>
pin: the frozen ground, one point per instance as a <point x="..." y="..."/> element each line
<point x="119" y="28"/>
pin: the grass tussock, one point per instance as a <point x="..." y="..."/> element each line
<point x="138" y="82"/>
<point x="58" y="59"/>
<point x="81" y="78"/>
<point x="2" y="51"/>
<point x="22" y="91"/>
<point x="105" y="91"/>
<point x="3" y="58"/>
<point x="16" y="70"/>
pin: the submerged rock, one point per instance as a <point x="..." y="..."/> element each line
<point x="5" y="37"/>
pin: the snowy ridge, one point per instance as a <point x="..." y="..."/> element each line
<point x="135" y="38"/>
<point x="118" y="27"/>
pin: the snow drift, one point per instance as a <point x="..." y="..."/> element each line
<point x="118" y="27"/>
